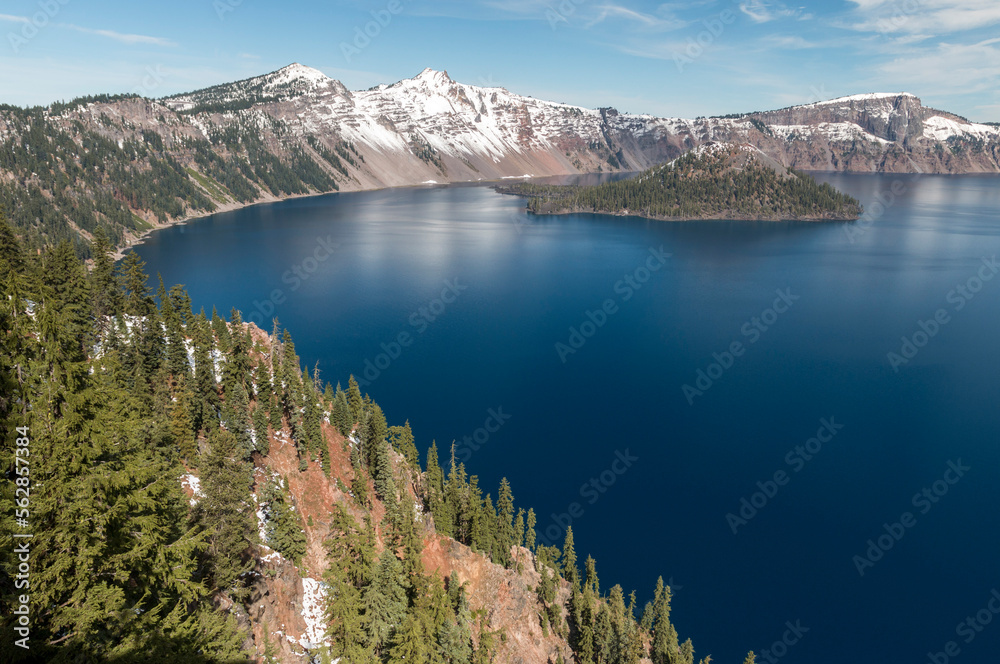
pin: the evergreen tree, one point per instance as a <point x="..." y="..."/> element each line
<point x="283" y="529"/>
<point x="182" y="424"/>
<point x="206" y="396"/>
<point x="505" y="523"/>
<point x="340" y="413"/>
<point x="354" y="401"/>
<point x="384" y="602"/>
<point x="570" y="572"/>
<point x="227" y="509"/>
<point x="106" y="299"/>
<point x="132" y="278"/>
<point x="401" y="439"/>
<point x="529" y="537"/>
<point x="221" y="330"/>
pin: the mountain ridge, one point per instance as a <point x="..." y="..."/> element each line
<point x="132" y="164"/>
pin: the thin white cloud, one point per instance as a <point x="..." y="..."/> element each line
<point x="949" y="69"/>
<point x="924" y="16"/>
<point x="789" y="42"/>
<point x="645" y="20"/>
<point x="761" y="11"/>
<point x="14" y="19"/>
<point x="119" y="36"/>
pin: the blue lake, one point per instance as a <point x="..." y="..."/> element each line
<point x="598" y="429"/>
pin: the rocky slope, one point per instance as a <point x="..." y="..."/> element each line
<point x="296" y="131"/>
<point x="283" y="614"/>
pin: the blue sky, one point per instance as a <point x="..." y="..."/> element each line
<point x="682" y="59"/>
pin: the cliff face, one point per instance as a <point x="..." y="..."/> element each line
<point x="296" y="131"/>
<point x="283" y="614"/>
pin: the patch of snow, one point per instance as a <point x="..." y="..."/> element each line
<point x="313" y="600"/>
<point x="192" y="482"/>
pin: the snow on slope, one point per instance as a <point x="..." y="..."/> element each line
<point x="871" y="96"/>
<point x="941" y="129"/>
<point x="832" y="131"/>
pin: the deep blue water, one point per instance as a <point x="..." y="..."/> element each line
<point x="523" y="282"/>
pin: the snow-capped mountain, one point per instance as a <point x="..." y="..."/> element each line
<point x="468" y="132"/>
<point x="297" y="131"/>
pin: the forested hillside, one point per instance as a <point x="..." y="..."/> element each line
<point x="717" y="181"/>
<point x="70" y="173"/>
<point x="181" y="474"/>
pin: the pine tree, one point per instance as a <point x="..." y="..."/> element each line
<point x="174" y="321"/>
<point x="237" y="414"/>
<point x="340" y="413"/>
<point x="227" y="509"/>
<point x="505" y="523"/>
<point x="664" y="643"/>
<point x="106" y="300"/>
<point x="519" y="528"/>
<point x="570" y="572"/>
<point x="132" y="278"/>
<point x="354" y="401"/>
<point x="384" y="602"/>
<point x="529" y="537"/>
<point x="182" y="424"/>
<point x="222" y="337"/>
<point x="284" y="529"/>
<point x="402" y="441"/>
<point x="260" y="429"/>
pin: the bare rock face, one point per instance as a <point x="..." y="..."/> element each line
<point x="505" y="595"/>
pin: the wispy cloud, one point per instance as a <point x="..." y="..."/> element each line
<point x="761" y="11"/>
<point x="110" y="34"/>
<point x="789" y="42"/>
<point x="936" y="17"/>
<point x="668" y="22"/>
<point x="949" y="68"/>
<point x="119" y="36"/>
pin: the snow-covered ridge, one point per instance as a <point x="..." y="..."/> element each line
<point x="871" y="96"/>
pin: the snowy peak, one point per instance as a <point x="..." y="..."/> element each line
<point x="299" y="73"/>
<point x="286" y="83"/>
<point x="429" y="75"/>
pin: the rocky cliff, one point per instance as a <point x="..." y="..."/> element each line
<point x="283" y="615"/>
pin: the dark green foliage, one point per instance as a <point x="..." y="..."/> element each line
<point x="354" y="400"/>
<point x="340" y="413"/>
<point x="283" y="528"/>
<point x="116" y="561"/>
<point x="227" y="509"/>
<point x="723" y="184"/>
<point x="401" y="439"/>
<point x="384" y="602"/>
